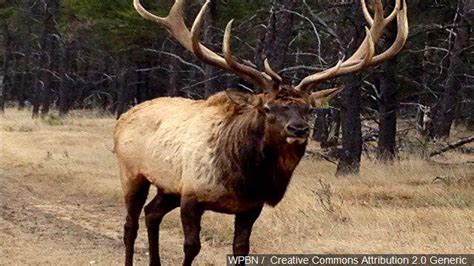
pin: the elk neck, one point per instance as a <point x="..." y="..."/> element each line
<point x="252" y="161"/>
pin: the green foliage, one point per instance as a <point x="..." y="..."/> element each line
<point x="114" y="23"/>
<point x="7" y="13"/>
<point x="108" y="36"/>
<point x="237" y="10"/>
<point x="13" y="17"/>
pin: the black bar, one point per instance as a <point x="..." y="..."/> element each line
<point x="351" y="259"/>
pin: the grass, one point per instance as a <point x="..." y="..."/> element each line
<point x="64" y="170"/>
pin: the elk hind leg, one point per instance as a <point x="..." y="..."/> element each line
<point x="154" y="213"/>
<point x="136" y="193"/>
<point x="191" y="213"/>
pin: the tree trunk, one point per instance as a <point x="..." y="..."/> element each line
<point x="49" y="62"/>
<point x="388" y="104"/>
<point x="123" y="79"/>
<point x="173" y="84"/>
<point x="208" y="38"/>
<point x="20" y="95"/>
<point x="36" y="95"/>
<point x="2" y="98"/>
<point x="66" y="84"/>
<point x="321" y="126"/>
<point x="278" y="35"/>
<point x="350" y="155"/>
<point x="423" y="114"/>
<point x="123" y="96"/>
<point x="444" y="113"/>
<point x="467" y="96"/>
<point x="5" y="76"/>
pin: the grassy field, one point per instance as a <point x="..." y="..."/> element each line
<point x="61" y="203"/>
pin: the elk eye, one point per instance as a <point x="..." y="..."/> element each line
<point x="266" y="108"/>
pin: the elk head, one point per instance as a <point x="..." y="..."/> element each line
<point x="286" y="111"/>
<point x="286" y="107"/>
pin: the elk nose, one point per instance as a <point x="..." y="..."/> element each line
<point x="298" y="130"/>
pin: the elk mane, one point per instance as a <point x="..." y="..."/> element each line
<point x="246" y="159"/>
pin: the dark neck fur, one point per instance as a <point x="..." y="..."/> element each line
<point x="257" y="167"/>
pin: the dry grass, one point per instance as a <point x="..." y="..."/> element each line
<point x="60" y="203"/>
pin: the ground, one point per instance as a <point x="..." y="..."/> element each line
<point x="61" y="203"/>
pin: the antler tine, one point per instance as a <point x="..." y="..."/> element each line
<point x="376" y="30"/>
<point x="367" y="15"/>
<point x="387" y="20"/>
<point x="365" y="54"/>
<point x="394" y="13"/>
<point x="173" y="22"/>
<point x="190" y="40"/>
<point x="368" y="45"/>
<point x="199" y="50"/>
<point x="307" y="82"/>
<point x="272" y="73"/>
<point x="400" y="40"/>
<point x="342" y="67"/>
<point x="147" y="15"/>
<point x="266" y="81"/>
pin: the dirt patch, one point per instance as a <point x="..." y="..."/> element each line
<point x="61" y="204"/>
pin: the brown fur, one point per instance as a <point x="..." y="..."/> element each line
<point x="251" y="160"/>
<point x="229" y="153"/>
<point x="233" y="152"/>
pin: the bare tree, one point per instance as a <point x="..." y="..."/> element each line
<point x="444" y="111"/>
<point x="350" y="155"/>
<point x="5" y="76"/>
<point x="49" y="62"/>
<point x="209" y="37"/>
<point x="387" y="103"/>
<point x="279" y="32"/>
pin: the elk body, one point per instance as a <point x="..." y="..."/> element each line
<point x="231" y="153"/>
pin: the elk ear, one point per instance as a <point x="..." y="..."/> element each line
<point x="243" y="98"/>
<point x="320" y="99"/>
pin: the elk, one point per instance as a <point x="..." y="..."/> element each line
<point x="233" y="152"/>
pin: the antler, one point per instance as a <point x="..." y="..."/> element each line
<point x="190" y="40"/>
<point x="365" y="54"/>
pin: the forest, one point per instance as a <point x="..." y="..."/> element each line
<point x="388" y="167"/>
<point x="61" y="55"/>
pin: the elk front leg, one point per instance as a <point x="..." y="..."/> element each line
<point x="243" y="228"/>
<point x="191" y="213"/>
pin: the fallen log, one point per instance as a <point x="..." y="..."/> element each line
<point x="451" y="146"/>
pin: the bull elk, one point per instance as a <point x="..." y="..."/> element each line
<point x="232" y="152"/>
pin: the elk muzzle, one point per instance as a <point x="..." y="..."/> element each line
<point x="297" y="133"/>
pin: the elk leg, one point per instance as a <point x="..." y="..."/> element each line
<point x="242" y="230"/>
<point x="154" y="213"/>
<point x="135" y="198"/>
<point x="191" y="213"/>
